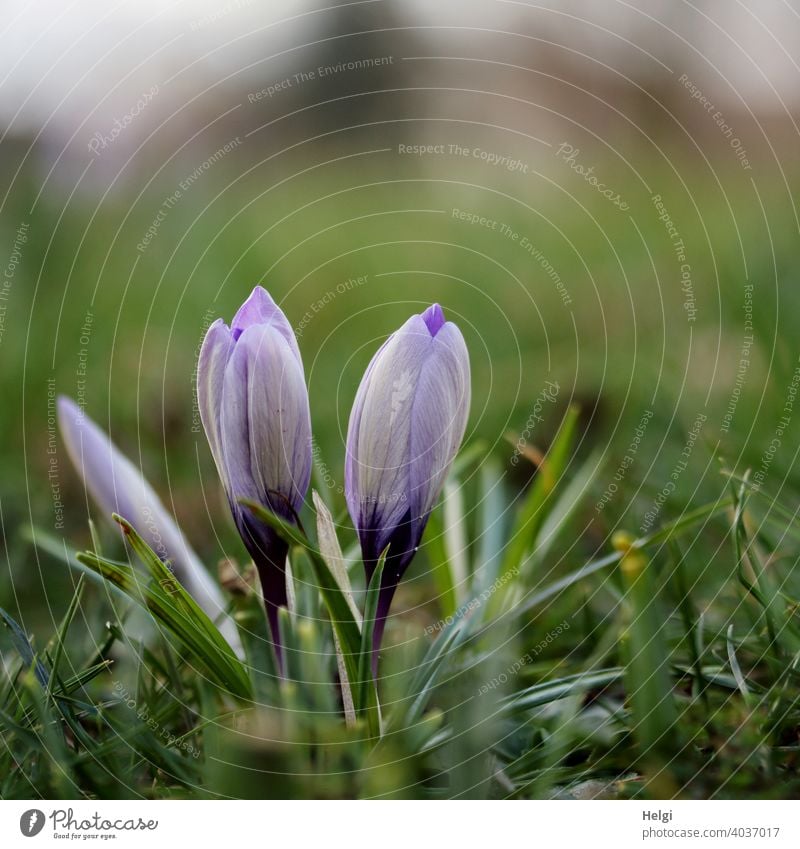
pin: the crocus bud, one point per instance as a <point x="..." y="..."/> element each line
<point x="405" y="429"/>
<point x="117" y="486"/>
<point x="254" y="407"/>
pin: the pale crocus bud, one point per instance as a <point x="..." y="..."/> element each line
<point x="117" y="486"/>
<point x="254" y="408"/>
<point x="406" y="427"/>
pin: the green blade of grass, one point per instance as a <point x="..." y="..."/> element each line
<point x="441" y="574"/>
<point x="56" y="645"/>
<point x="741" y="683"/>
<point x="533" y="510"/>
<point x="491" y="521"/>
<point x="25" y="650"/>
<point x="57" y="549"/>
<point x="647" y="673"/>
<point x="561" y="688"/>
<point x="426" y="677"/>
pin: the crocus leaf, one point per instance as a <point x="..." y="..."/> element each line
<point x="491" y="516"/>
<point x="455" y="536"/>
<point x="441" y="574"/>
<point x="331" y="550"/>
<point x="344" y="624"/>
<point x="368" y="694"/>
<point x="173" y="607"/>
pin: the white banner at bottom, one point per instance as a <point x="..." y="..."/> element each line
<point x="386" y="825"/>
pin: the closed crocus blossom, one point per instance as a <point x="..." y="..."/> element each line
<point x="405" y="429"/>
<point x="117" y="486"/>
<point x="254" y="408"/>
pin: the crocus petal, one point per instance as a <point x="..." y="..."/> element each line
<point x="279" y="418"/>
<point x="266" y="425"/>
<point x="407" y="423"/>
<point x="260" y="309"/>
<point x="434" y="319"/>
<point x="214" y="356"/>
<point x="440" y="412"/>
<point x="117" y="486"/>
<point x="379" y="435"/>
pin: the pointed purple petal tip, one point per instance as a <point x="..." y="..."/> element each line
<point x="259" y="308"/>
<point x="434" y="319"/>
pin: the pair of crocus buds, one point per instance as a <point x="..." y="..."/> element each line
<point x="405" y="429"/>
<point x="406" y="426"/>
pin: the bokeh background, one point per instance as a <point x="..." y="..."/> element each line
<point x="602" y="194"/>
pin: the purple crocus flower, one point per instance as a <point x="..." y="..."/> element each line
<point x="254" y="408"/>
<point x="405" y="429"/>
<point x="117" y="486"/>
